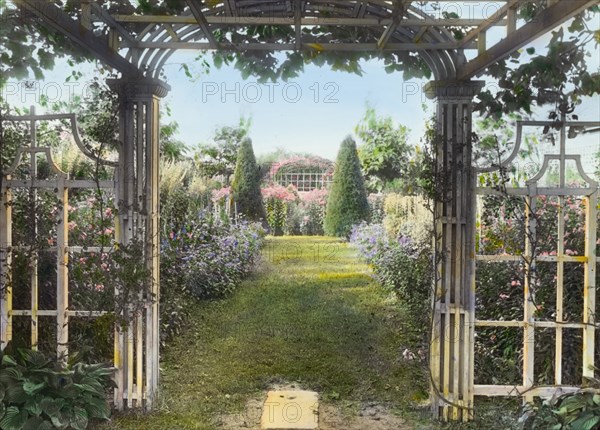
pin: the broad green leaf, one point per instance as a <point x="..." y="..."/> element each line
<point x="32" y="388"/>
<point x="98" y="408"/>
<point x="586" y="422"/>
<point x="33" y="423"/>
<point x="8" y="361"/>
<point x="52" y="407"/>
<point x="13" y="419"/>
<point x="79" y="420"/>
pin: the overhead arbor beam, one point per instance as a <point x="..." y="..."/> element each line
<point x="298" y="6"/>
<point x="397" y="15"/>
<point x="196" y="9"/>
<point x="111" y="22"/>
<point x="57" y="20"/>
<point x="545" y="21"/>
<point x="491" y="21"/>
<point x="305" y="21"/>
<point x="339" y="47"/>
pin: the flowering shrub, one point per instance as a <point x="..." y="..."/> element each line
<point x="407" y="215"/>
<point x="312" y="207"/>
<point x="206" y="259"/>
<point x="220" y="256"/>
<point x="500" y="293"/>
<point x="400" y="263"/>
<point x="220" y="195"/>
<point x="277" y="199"/>
<point x="376" y="206"/>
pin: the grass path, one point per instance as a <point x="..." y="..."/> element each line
<point x="312" y="316"/>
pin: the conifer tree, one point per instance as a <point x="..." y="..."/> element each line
<point x="246" y="184"/>
<point x="347" y="204"/>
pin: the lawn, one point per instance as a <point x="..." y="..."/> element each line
<point x="312" y="316"/>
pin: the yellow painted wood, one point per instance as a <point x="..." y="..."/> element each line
<point x="5" y="266"/>
<point x="589" y="285"/>
<point x="62" y="275"/>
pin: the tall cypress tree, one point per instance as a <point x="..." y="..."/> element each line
<point x="347" y="203"/>
<point x="246" y="184"/>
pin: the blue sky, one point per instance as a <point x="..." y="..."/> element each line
<point x="311" y="113"/>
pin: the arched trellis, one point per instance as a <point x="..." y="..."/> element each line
<point x="138" y="46"/>
<point x="176" y="36"/>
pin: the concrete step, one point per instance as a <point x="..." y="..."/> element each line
<point x="298" y="410"/>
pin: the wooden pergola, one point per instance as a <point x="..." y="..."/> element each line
<point x="138" y="46"/>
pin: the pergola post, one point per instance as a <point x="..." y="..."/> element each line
<point x="137" y="195"/>
<point x="452" y="338"/>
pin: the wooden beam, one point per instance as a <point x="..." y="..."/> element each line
<point x="57" y="20"/>
<point x="196" y="9"/>
<point x="111" y="22"/>
<point x="298" y="6"/>
<point x="340" y="47"/>
<point x="490" y="22"/>
<point x="305" y="21"/>
<point x="397" y="13"/>
<point x="545" y="21"/>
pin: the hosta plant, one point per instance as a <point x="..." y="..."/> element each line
<point x="38" y="393"/>
<point x="573" y="411"/>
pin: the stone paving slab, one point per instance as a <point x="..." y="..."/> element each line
<point x="298" y="410"/>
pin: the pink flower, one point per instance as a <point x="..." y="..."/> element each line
<point x="108" y="212"/>
<point x="108" y="231"/>
<point x="504" y="296"/>
<point x="82" y="259"/>
<point x="99" y="287"/>
<point x="516" y="283"/>
<point x="72" y="225"/>
<point x="221" y="194"/>
<point x="317" y="195"/>
<point x="279" y="192"/>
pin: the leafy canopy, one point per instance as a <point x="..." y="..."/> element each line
<point x="219" y="158"/>
<point x="385" y="153"/>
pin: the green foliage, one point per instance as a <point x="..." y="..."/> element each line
<point x="28" y="48"/>
<point x="219" y="158"/>
<point x="574" y="411"/>
<point x="276" y="211"/>
<point x="347" y="204"/>
<point x="38" y="393"/>
<point x="171" y="148"/>
<point x="385" y="152"/>
<point x="246" y="184"/>
<point x="402" y="265"/>
<point x="561" y="78"/>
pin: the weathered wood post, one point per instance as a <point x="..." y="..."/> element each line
<point x="137" y="196"/>
<point x="452" y="338"/>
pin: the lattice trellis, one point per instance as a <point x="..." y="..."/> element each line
<point x="136" y="346"/>
<point x="304" y="181"/>
<point x="61" y="185"/>
<point x="531" y="193"/>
